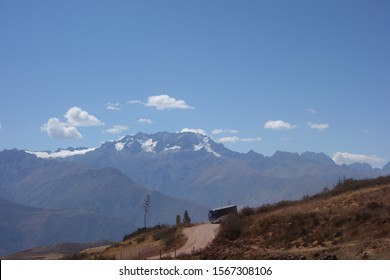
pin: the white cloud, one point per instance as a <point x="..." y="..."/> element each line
<point x="145" y="121"/>
<point x="192" y="130"/>
<point x="67" y="130"/>
<point x="279" y="125"/>
<point x="116" y="129"/>
<point x="60" y="130"/>
<point x="319" y="126"/>
<point x="223" y="130"/>
<point x="113" y="106"/>
<point x="256" y="139"/>
<point x="229" y="139"/>
<point x="235" y="139"/>
<point x="311" y="110"/>
<point x="348" y="158"/>
<point x="77" y="117"/>
<point x="164" y="102"/>
<point x="136" y="102"/>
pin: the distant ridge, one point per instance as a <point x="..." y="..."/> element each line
<point x="193" y="166"/>
<point x="181" y="171"/>
<point x="23" y="227"/>
<point x="46" y="201"/>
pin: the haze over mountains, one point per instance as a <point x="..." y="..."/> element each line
<point x="94" y="203"/>
<point x="45" y="196"/>
<point x="24" y="227"/>
<point x="193" y="166"/>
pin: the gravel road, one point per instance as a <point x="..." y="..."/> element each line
<point x="198" y="237"/>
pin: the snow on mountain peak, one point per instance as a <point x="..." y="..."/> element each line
<point x="174" y="148"/>
<point x="119" y="146"/>
<point x="140" y="140"/>
<point x="165" y="142"/>
<point x="148" y="145"/>
<point x="205" y="144"/>
<point x="62" y="153"/>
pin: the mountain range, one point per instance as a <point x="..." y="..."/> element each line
<point x="193" y="166"/>
<point x="49" y="201"/>
<point x="85" y="194"/>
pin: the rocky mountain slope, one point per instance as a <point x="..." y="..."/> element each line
<point x="192" y="166"/>
<point x="181" y="171"/>
<point x="23" y="227"/>
<point x="74" y="193"/>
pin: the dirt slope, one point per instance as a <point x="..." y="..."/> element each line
<point x="198" y="237"/>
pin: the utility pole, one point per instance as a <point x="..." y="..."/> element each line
<point x="146" y="206"/>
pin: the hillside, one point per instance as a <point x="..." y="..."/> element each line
<point x="352" y="221"/>
<point x="42" y="183"/>
<point x="23" y="227"/>
<point x="159" y="242"/>
<point x="55" y="251"/>
<point x="44" y="201"/>
<point x="181" y="171"/>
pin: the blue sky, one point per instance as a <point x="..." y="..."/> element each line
<point x="264" y="75"/>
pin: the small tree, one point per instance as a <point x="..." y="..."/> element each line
<point x="178" y="220"/>
<point x="146" y="206"/>
<point x="186" y="218"/>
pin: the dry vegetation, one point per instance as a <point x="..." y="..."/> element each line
<point x="141" y="244"/>
<point x="352" y="221"/>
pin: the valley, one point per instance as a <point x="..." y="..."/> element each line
<point x="101" y="190"/>
<point x="349" y="222"/>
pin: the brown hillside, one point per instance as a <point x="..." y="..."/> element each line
<point x="350" y="222"/>
<point x="141" y="244"/>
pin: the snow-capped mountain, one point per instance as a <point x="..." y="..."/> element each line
<point x="184" y="165"/>
<point x="147" y="143"/>
<point x="193" y="166"/>
<point x="165" y="142"/>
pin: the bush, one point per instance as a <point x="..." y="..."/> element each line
<point x="232" y="227"/>
<point x="247" y="211"/>
<point x="140" y="231"/>
<point x="164" y="233"/>
<point x="272" y="207"/>
<point x="352" y="184"/>
<point x="374" y="205"/>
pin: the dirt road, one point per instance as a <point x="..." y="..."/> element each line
<point x="198" y="237"/>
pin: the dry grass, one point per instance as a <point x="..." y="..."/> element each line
<point x="141" y="244"/>
<point x="352" y="221"/>
<point x="339" y="224"/>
